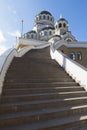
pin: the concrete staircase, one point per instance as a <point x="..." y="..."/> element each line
<point x="39" y="95"/>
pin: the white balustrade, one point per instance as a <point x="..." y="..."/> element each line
<point x="74" y="69"/>
<point x="6" y="58"/>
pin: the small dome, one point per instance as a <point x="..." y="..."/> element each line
<point x="32" y="31"/>
<point x="45" y="12"/>
<point x="62" y="19"/>
<point x="47" y="28"/>
<point x="44" y="18"/>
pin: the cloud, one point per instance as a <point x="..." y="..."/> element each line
<point x="2" y="38"/>
<point x="2" y="49"/>
<point x="15" y="33"/>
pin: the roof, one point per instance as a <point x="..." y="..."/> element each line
<point x="32" y="31"/>
<point x="56" y="36"/>
<point x="45" y="12"/>
<point x="48" y="28"/>
<point x="62" y="19"/>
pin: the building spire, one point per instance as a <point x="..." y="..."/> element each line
<point x="61" y="16"/>
<point x="22" y="27"/>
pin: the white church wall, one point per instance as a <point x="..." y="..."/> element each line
<point x="75" y="70"/>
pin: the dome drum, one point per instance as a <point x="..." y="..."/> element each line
<point x="45" y="28"/>
<point x="44" y="16"/>
<point x="47" y="33"/>
<point x="30" y="35"/>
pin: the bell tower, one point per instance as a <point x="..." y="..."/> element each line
<point x="61" y="26"/>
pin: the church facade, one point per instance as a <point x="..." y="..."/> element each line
<point x="56" y="33"/>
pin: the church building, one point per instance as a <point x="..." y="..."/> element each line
<point x="56" y="33"/>
<point x="42" y="84"/>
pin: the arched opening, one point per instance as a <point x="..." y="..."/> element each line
<point x="79" y="56"/>
<point x="72" y="55"/>
<point x="50" y="33"/>
<point x="44" y="17"/>
<point x="51" y="19"/>
<point x="32" y="36"/>
<point x="47" y="17"/>
<point x="45" y="33"/>
<point x="40" y="17"/>
<point x="60" y="25"/>
<point x="64" y="25"/>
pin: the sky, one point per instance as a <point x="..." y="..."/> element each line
<point x="13" y="11"/>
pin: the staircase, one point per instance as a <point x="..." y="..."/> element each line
<point x="39" y="95"/>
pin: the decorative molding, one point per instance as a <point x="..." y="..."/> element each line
<point x="73" y="44"/>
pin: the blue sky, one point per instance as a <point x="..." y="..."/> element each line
<point x="13" y="11"/>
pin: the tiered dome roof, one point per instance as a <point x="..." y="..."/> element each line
<point x="62" y="19"/>
<point x="45" y="12"/>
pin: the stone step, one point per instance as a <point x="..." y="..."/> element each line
<point x="41" y="96"/>
<point x="34" y="90"/>
<point x="29" y="85"/>
<point x="66" y="123"/>
<point x="24" y="80"/>
<point x="39" y="75"/>
<point x="41" y="104"/>
<point x="41" y="115"/>
<point x="29" y="63"/>
<point x="51" y="76"/>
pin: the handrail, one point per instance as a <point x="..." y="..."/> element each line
<point x="7" y="57"/>
<point x="5" y="61"/>
<point x="74" y="69"/>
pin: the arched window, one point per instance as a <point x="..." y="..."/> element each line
<point x="64" y="25"/>
<point x="44" y="17"/>
<point x="50" y="33"/>
<point x="47" y="17"/>
<point x="51" y="19"/>
<point x="45" y="33"/>
<point x="32" y="36"/>
<point x="40" y="17"/>
<point x="72" y="55"/>
<point x="60" y="25"/>
<point x="79" y="56"/>
<point x="28" y="36"/>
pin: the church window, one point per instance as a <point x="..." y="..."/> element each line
<point x="28" y="36"/>
<point x="60" y="25"/>
<point x="72" y="55"/>
<point x="32" y="36"/>
<point x="50" y="33"/>
<point x="51" y="18"/>
<point x="48" y="17"/>
<point x="44" y="17"/>
<point x="64" y="25"/>
<point x="45" y="33"/>
<point x="39" y="17"/>
<point x="79" y="56"/>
